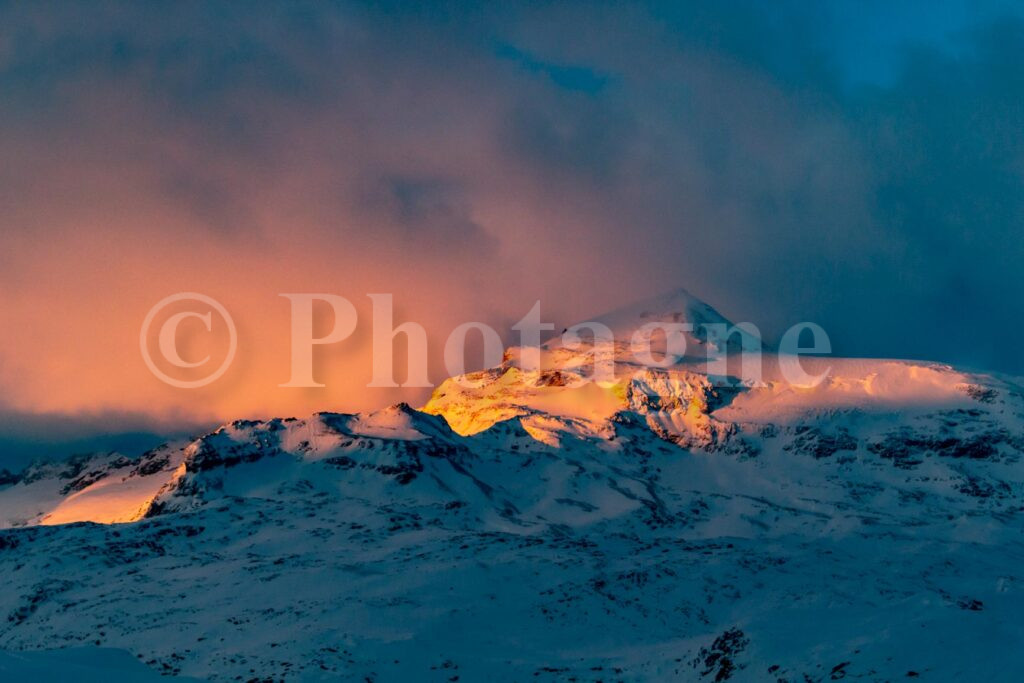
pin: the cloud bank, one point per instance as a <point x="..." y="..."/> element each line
<point x="857" y="166"/>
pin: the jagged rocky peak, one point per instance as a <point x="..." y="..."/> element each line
<point x="553" y="382"/>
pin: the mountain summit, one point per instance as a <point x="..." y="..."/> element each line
<point x="677" y="306"/>
<point x="665" y="312"/>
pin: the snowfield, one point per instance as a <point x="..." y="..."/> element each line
<point x="658" y="528"/>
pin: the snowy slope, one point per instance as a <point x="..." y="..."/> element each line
<point x="660" y="527"/>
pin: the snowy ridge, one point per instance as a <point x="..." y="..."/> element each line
<point x="660" y="526"/>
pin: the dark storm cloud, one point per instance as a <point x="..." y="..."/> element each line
<point x="791" y="186"/>
<point x="946" y="143"/>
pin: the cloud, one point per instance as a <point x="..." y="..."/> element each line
<point x="26" y="437"/>
<point x="786" y="162"/>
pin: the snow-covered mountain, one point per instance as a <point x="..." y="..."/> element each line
<point x="664" y="526"/>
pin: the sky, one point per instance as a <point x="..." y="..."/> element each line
<point x="855" y="164"/>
